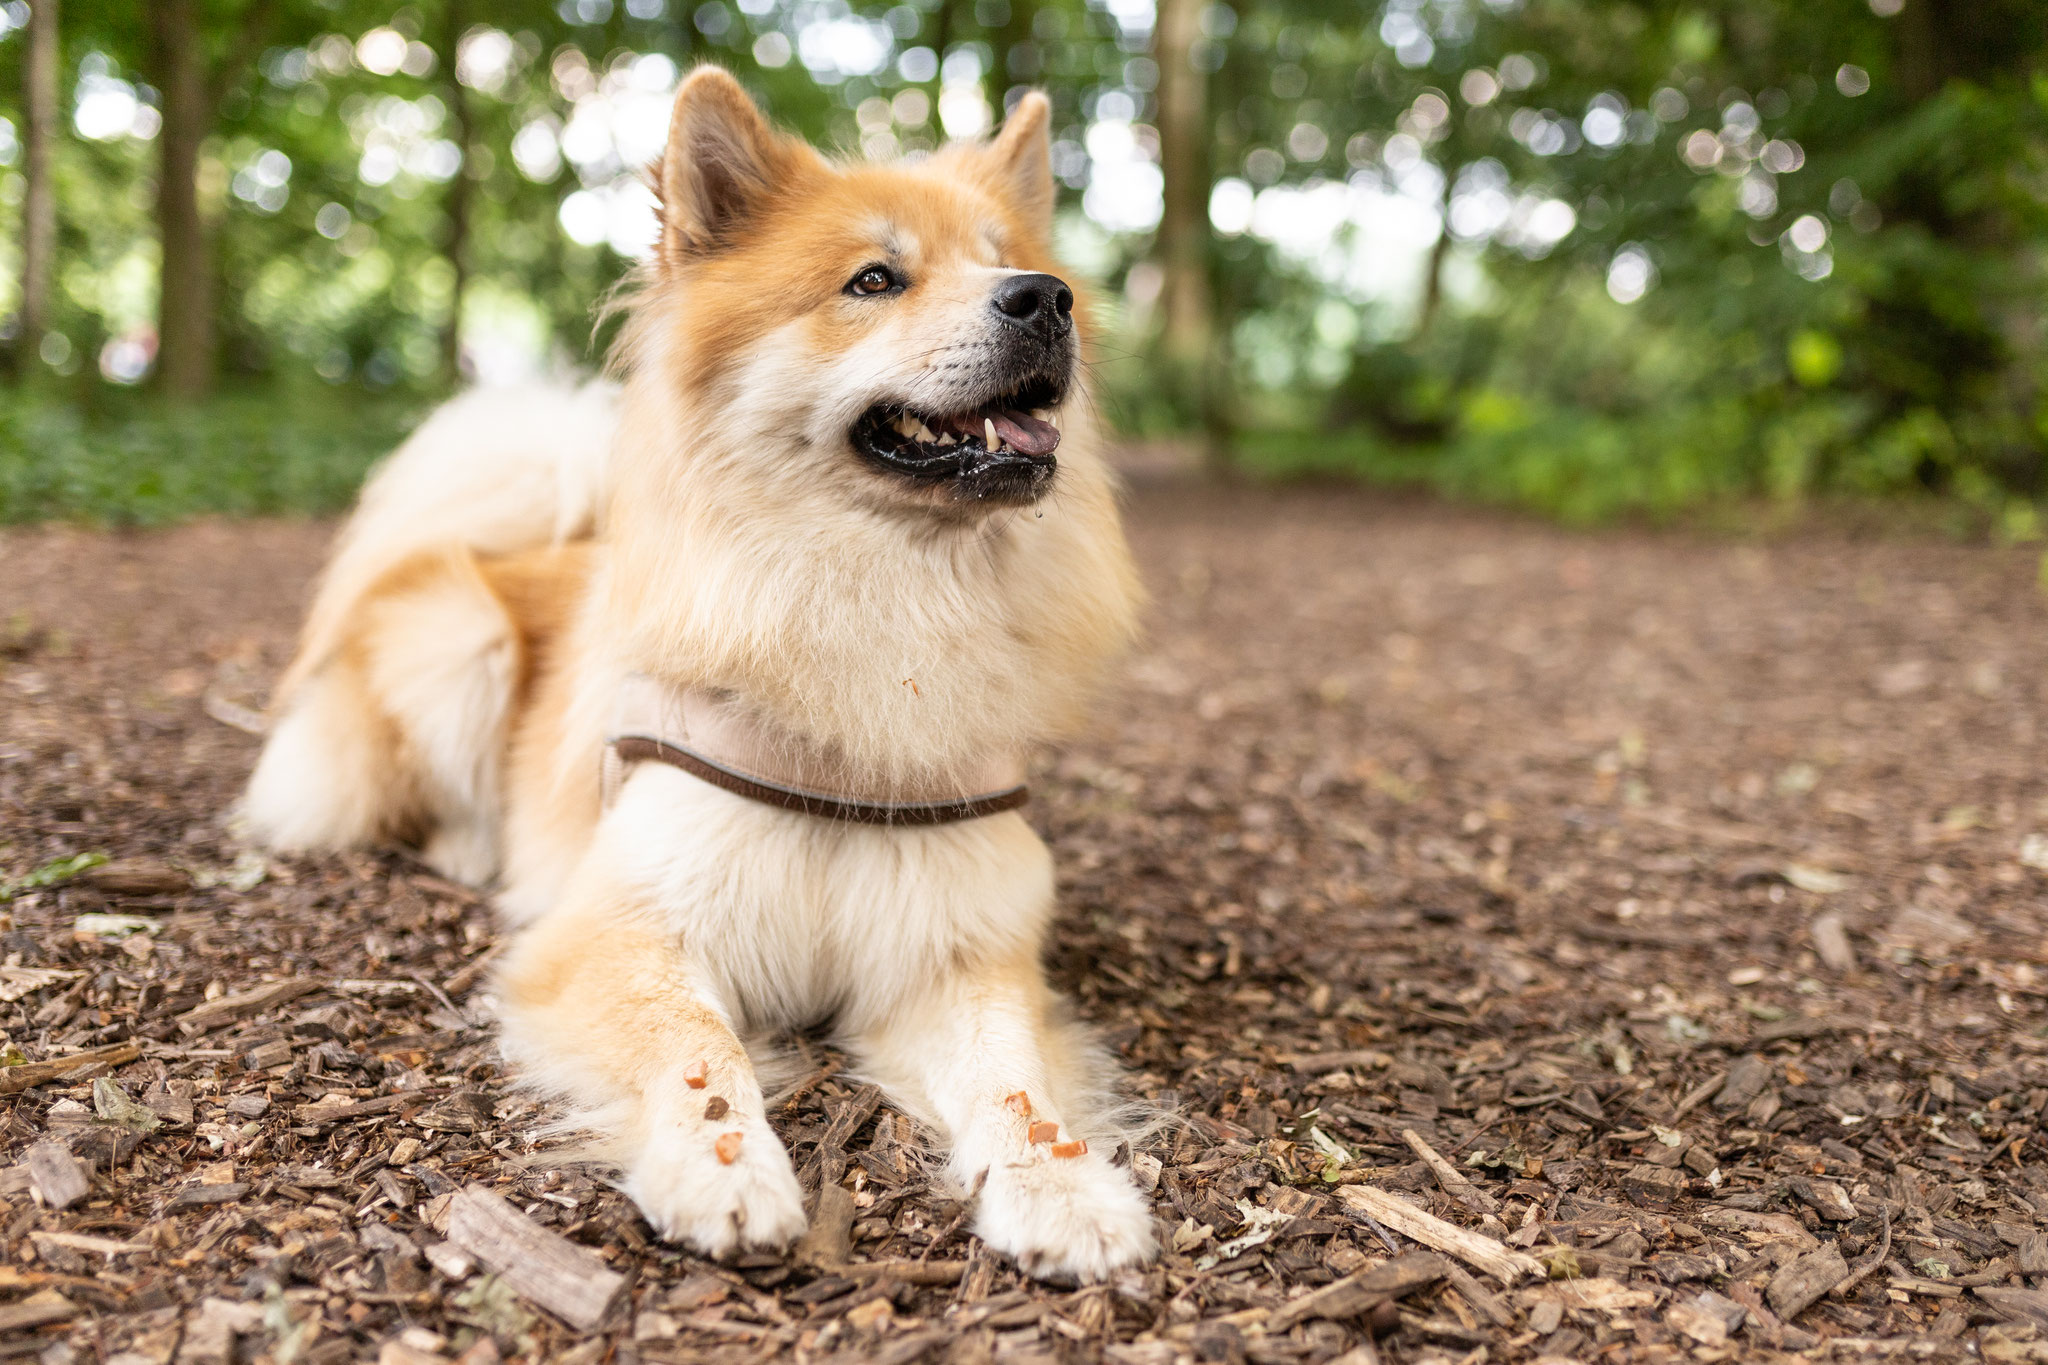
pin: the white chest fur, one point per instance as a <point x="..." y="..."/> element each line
<point x="791" y="919"/>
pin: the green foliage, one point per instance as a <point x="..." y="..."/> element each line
<point x="131" y="462"/>
<point x="1844" y="294"/>
<point x="1792" y="248"/>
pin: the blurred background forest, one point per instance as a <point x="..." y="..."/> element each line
<point x="1593" y="257"/>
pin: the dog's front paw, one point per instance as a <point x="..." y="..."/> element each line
<point x="718" y="1186"/>
<point x="1076" y="1216"/>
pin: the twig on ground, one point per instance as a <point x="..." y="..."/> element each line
<point x="1450" y="1177"/>
<point x="1475" y="1249"/>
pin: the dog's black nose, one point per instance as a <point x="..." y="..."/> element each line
<point x="1038" y="303"/>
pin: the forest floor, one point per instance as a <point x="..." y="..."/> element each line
<point x="1682" y="897"/>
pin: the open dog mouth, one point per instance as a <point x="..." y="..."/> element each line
<point x="1001" y="450"/>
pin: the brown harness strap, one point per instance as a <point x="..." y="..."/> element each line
<point x="709" y="737"/>
<point x="639" y="748"/>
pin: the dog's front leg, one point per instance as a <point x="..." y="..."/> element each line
<point x="979" y="1051"/>
<point x="601" y="1007"/>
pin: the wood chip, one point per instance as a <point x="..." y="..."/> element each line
<point x="1747" y="1079"/>
<point x="828" y="1242"/>
<point x="1708" y="1329"/>
<point x="56" y="1175"/>
<point x="851" y="1112"/>
<point x="1658" y="1184"/>
<point x="137" y="877"/>
<point x="1362" y="1292"/>
<point x="1476" y="1250"/>
<point x="37" y="1310"/>
<point x="82" y="1241"/>
<point x="544" y="1267"/>
<point x="1594" y="1292"/>
<point x="1319" y="1063"/>
<point x="1802" y="1281"/>
<point x="2017" y="1305"/>
<point x="728" y="1147"/>
<point x="15" y="1079"/>
<point x="1067" y="1151"/>
<point x="1760" y="1227"/>
<point x="201" y="1195"/>
<point x="1041" y="1131"/>
<point x="1788" y="1030"/>
<point x="1825" y="1198"/>
<point x="1454" y="1181"/>
<point x="1831" y="941"/>
<point x="909" y="1272"/>
<point x="217" y="1012"/>
<point x="1483" y="1300"/>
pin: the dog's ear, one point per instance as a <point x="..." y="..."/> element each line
<point x="723" y="162"/>
<point x="1020" y="160"/>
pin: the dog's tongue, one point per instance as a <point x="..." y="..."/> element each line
<point x="1022" y="431"/>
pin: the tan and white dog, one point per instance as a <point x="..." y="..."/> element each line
<point x="724" y="676"/>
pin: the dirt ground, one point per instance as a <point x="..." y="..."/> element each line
<point x="1682" y="898"/>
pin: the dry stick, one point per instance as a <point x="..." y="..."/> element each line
<point x="1450" y="1177"/>
<point x="1475" y="1249"/>
<point x="1362" y="1291"/>
<point x="1872" y="1262"/>
<point x="566" y="1279"/>
<point x="805" y="1086"/>
<point x="1700" y="1093"/>
<point x="1378" y="1230"/>
<point x="17" y="1078"/>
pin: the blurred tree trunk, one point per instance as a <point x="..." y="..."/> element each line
<point x="185" y="333"/>
<point x="949" y="29"/>
<point x="1433" y="277"/>
<point x="461" y="189"/>
<point x="39" y="208"/>
<point x="1188" y="344"/>
<point x="1012" y="40"/>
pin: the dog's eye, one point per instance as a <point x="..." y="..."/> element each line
<point x="874" y="279"/>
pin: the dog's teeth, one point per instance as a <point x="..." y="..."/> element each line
<point x="1041" y="414"/>
<point x="948" y="439"/>
<point x="924" y="433"/>
<point x="988" y="429"/>
<point x="908" y="426"/>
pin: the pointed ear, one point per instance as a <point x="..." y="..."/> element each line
<point x="1020" y="160"/>
<point x="722" y="163"/>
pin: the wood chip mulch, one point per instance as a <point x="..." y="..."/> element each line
<point x="1576" y="946"/>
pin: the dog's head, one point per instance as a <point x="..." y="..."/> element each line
<point x="896" y="327"/>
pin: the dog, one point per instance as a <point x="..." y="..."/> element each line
<point x="725" y="675"/>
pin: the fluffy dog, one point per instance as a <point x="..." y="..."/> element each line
<point x="726" y="678"/>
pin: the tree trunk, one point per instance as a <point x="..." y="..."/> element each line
<point x="1009" y="38"/>
<point x="185" y="341"/>
<point x="1433" y="273"/>
<point x="1188" y="342"/>
<point x="39" y="208"/>
<point x="460" y="190"/>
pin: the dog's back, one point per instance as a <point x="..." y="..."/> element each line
<point x="392" y="719"/>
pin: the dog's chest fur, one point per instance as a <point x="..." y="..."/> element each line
<point x="793" y="919"/>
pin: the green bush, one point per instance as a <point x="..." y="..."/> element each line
<point x="140" y="464"/>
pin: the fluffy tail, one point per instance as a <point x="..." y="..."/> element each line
<point x="392" y="719"/>
<point x="494" y="471"/>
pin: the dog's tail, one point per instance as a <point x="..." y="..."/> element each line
<point x="392" y="718"/>
<point x="494" y="471"/>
